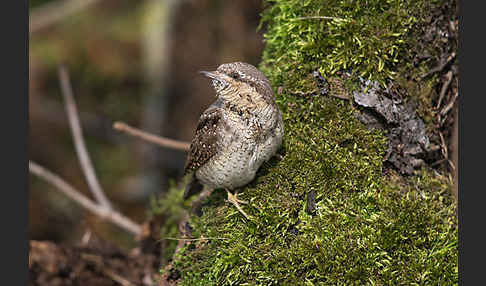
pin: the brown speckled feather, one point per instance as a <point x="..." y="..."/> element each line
<point x="205" y="142"/>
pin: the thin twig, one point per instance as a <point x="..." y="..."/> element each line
<point x="449" y="106"/>
<point x="451" y="164"/>
<point x="445" y="152"/>
<point x="96" y="259"/>
<point x="77" y="133"/>
<point x="86" y="237"/>
<point x="444" y="88"/>
<point x="117" y="278"/>
<point x="298" y="92"/>
<point x="75" y="195"/>
<point x="318" y="17"/>
<point x="433" y="147"/>
<point x="439" y="67"/>
<point x="339" y="95"/>
<point x="52" y="111"/>
<point x="193" y="239"/>
<point x="438" y="162"/>
<point x="161" y="141"/>
<point x="52" y="12"/>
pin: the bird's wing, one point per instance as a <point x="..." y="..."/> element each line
<point x="204" y="145"/>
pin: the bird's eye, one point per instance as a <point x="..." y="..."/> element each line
<point x="235" y="75"/>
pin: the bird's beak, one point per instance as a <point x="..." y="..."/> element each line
<point x="211" y="75"/>
<point x="218" y="81"/>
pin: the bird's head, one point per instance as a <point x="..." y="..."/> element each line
<point x="242" y="84"/>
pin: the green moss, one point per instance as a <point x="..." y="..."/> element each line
<point x="368" y="229"/>
<point x="171" y="207"/>
<point x="366" y="37"/>
<point x="364" y="231"/>
<point x="379" y="40"/>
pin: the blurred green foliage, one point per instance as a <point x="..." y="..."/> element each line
<point x="37" y="3"/>
<point x="171" y="207"/>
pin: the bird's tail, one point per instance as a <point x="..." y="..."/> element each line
<point x="193" y="187"/>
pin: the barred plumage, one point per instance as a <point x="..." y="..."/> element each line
<point x="238" y="132"/>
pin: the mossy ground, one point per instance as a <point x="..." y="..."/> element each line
<point x="367" y="228"/>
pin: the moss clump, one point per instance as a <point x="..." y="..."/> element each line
<point x="337" y="35"/>
<point x="171" y="209"/>
<point x="366" y="228"/>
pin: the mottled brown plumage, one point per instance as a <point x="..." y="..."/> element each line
<point x="237" y="133"/>
<point x="203" y="145"/>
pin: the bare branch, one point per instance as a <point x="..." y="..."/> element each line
<point x="449" y="106"/>
<point x="445" y="152"/>
<point x="52" y="12"/>
<point x="82" y="200"/>
<point x="117" y="278"/>
<point x="77" y="133"/>
<point x="440" y="67"/>
<point x="444" y="88"/>
<point x="193" y="239"/>
<point x="319" y="17"/>
<point x="109" y="272"/>
<point x="161" y="141"/>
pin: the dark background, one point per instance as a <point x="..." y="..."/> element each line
<point x="131" y="61"/>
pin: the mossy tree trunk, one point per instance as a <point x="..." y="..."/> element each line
<point x="326" y="212"/>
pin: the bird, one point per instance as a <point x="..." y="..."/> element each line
<point x="236" y="134"/>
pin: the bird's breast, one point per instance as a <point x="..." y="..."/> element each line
<point x="245" y="143"/>
<point x="232" y="167"/>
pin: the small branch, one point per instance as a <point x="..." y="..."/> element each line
<point x="86" y="237"/>
<point x="444" y="88"/>
<point x="318" y="17"/>
<point x="341" y="96"/>
<point x="451" y="164"/>
<point x="117" y="278"/>
<point x="298" y="92"/>
<point x="445" y="152"/>
<point x="161" y="141"/>
<point x="194" y="239"/>
<point x="77" y="133"/>
<point x="107" y="271"/>
<point x="438" y="162"/>
<point x="53" y="12"/>
<point x="439" y="67"/>
<point x="449" y="106"/>
<point x="82" y="200"/>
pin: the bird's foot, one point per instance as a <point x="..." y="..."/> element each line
<point x="234" y="197"/>
<point x="236" y="202"/>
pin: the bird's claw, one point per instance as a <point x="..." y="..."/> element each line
<point x="236" y="202"/>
